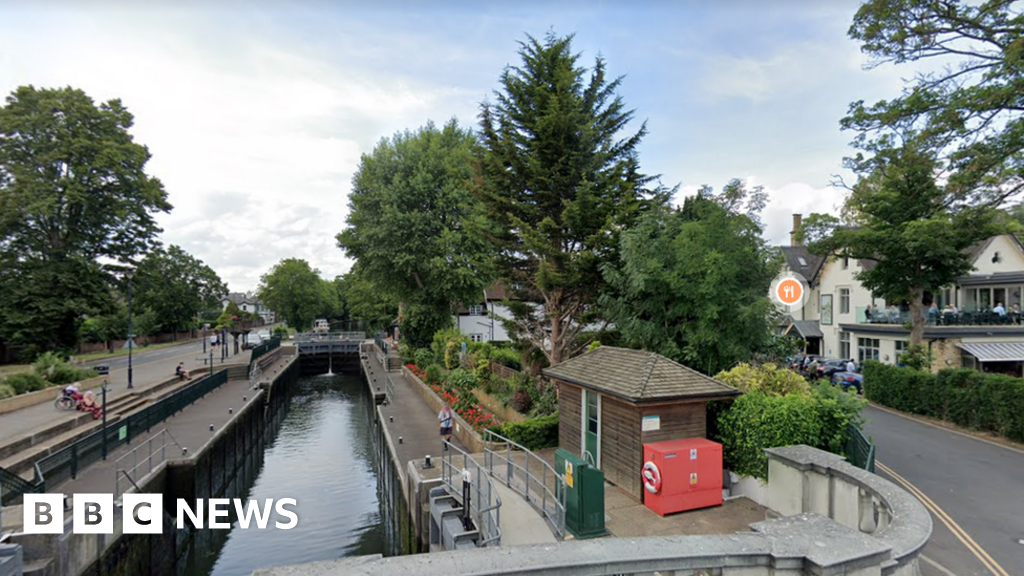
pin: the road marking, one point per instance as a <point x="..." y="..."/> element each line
<point x="938" y="566"/>
<point x="913" y="418"/>
<point x="955" y="528"/>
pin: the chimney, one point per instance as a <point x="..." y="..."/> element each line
<point x="797" y="221"/>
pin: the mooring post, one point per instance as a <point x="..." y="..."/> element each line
<point x="467" y="520"/>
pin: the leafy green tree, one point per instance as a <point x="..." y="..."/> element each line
<point x="176" y="286"/>
<point x="297" y="292"/>
<point x="901" y="217"/>
<point x="972" y="107"/>
<point x="559" y="178"/>
<point x="409" y="225"/>
<point x="374" y="308"/>
<point x="693" y="283"/>
<point x="73" y="188"/>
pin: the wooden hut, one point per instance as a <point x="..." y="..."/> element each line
<point x="613" y="400"/>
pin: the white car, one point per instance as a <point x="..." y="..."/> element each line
<point x="251" y="341"/>
<point x="264" y="335"/>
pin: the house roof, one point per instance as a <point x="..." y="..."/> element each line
<point x="637" y="376"/>
<point x="800" y="260"/>
<point x="806" y="328"/>
<point x="497" y="291"/>
<point x="239" y="298"/>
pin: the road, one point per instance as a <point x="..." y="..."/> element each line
<point x="976" y="490"/>
<point x="143" y="356"/>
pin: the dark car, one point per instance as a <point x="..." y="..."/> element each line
<point x="828" y="367"/>
<point x="848" y="380"/>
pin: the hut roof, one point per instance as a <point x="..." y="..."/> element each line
<point x="637" y="376"/>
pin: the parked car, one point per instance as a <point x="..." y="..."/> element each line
<point x="252" y="340"/>
<point x="829" y="366"/>
<point x="264" y="335"/>
<point x="797" y="363"/>
<point x="848" y="379"/>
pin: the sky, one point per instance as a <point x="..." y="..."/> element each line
<point x="257" y="113"/>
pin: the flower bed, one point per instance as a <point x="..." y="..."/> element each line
<point x="473" y="413"/>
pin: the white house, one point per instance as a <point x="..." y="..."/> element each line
<point x="482" y="320"/>
<point x="247" y="303"/>
<point x="835" y="321"/>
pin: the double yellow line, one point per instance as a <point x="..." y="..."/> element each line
<point x="955" y="528"/>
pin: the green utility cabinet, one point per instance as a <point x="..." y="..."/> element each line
<point x="584" y="495"/>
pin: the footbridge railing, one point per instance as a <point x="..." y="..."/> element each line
<point x="484" y="502"/>
<point x="529" y="475"/>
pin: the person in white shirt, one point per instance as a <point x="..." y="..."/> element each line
<point x="999" y="309"/>
<point x="446" y="420"/>
<point x="850" y="366"/>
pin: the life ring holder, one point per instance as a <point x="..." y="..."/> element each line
<point x="652" y="477"/>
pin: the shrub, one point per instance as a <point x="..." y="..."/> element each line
<point x="451" y="354"/>
<point x="462" y="380"/>
<point x="442" y="338"/>
<point x="534" y="433"/>
<point x="546" y="402"/>
<point x="521" y="401"/>
<point x="767" y="378"/>
<point x="52" y="367"/>
<point x="968" y="398"/>
<point x="507" y="357"/>
<point x="6" y="391"/>
<point x="423" y="358"/>
<point x="26" y="382"/>
<point x="281" y="331"/>
<point x="434" y="374"/>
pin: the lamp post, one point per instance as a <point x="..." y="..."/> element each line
<point x="131" y="343"/>
<point x="105" y="417"/>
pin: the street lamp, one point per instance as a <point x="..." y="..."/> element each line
<point x="105" y="416"/>
<point x="131" y="343"/>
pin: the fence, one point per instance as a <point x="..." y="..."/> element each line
<point x="13" y="486"/>
<point x="330" y="336"/>
<point x="65" y="463"/>
<point x="145" y="458"/>
<point x="859" y="450"/>
<point x="522" y="478"/>
<point x="262" y="349"/>
<point x="484" y="502"/>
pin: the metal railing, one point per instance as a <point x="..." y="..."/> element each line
<point x="12" y="486"/>
<point x="65" y="463"/>
<point x="524" y="479"/>
<point x="484" y="502"/>
<point x="938" y="318"/>
<point x="262" y="349"/>
<point x="146" y="456"/>
<point x="859" y="450"/>
<point x="329" y="336"/>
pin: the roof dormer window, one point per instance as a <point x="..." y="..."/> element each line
<point x="802" y="261"/>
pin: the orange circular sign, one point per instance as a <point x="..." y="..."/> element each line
<point x="789" y="291"/>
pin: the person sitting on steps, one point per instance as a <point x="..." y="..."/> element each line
<point x="181" y="373"/>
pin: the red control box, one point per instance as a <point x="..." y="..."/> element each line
<point x="682" y="475"/>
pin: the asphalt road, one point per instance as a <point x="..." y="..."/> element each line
<point x="143" y="356"/>
<point x="977" y="489"/>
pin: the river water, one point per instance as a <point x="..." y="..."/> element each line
<point x="323" y="457"/>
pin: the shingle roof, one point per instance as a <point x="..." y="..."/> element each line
<point x="807" y="328"/>
<point x="800" y="260"/>
<point x="637" y="376"/>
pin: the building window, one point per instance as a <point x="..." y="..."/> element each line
<point x="844" y="345"/>
<point x="844" y="300"/>
<point x="476" y="310"/>
<point x="846" y="263"/>
<point x="476" y="337"/>
<point x="867" y="349"/>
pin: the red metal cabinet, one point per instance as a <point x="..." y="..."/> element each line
<point x="686" y="473"/>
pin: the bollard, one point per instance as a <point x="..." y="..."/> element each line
<point x="231" y="410"/>
<point x="211" y="427"/>
<point x="391" y="418"/>
<point x="426" y="462"/>
<point x="401" y="440"/>
<point x="245" y="398"/>
<point x="467" y="520"/>
<point x="184" y="451"/>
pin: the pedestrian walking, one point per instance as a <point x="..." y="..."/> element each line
<point x="445" y="420"/>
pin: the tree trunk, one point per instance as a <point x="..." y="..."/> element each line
<point x="917" y="316"/>
<point x="555" y="357"/>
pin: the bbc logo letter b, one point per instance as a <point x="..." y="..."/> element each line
<point x="93" y="513"/>
<point x="43" y="513"/>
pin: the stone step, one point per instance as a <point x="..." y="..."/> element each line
<point x="40" y="567"/>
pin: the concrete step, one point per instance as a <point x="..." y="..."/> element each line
<point x="41" y="567"/>
<point x="21" y="463"/>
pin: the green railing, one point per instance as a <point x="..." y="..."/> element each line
<point x="859" y="450"/>
<point x="262" y="349"/>
<point x="65" y="463"/>
<point x="13" y="486"/>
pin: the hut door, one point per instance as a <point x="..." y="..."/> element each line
<point x="591" y="428"/>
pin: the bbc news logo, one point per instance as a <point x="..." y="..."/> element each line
<point x="143" y="513"/>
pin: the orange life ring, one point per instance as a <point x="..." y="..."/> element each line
<point x="652" y="477"/>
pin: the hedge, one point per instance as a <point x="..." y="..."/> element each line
<point x="967" y="398"/>
<point x="534" y="433"/>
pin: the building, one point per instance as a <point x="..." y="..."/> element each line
<point x="611" y="401"/>
<point x="842" y="319"/>
<point x="248" y="303"/>
<point x="482" y="321"/>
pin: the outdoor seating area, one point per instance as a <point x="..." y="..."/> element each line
<point x="935" y="317"/>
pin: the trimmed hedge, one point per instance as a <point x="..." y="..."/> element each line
<point x="967" y="398"/>
<point x="534" y="433"/>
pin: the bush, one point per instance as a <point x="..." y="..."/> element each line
<point x="7" y="391"/>
<point x="434" y="374"/>
<point x="26" y="382"/>
<point x="534" y="434"/>
<point x="461" y="380"/>
<point x="451" y="354"/>
<point x="767" y="378"/>
<point x="507" y="357"/>
<point x="521" y="401"/>
<point x="546" y="402"/>
<point x="423" y="358"/>
<point x="968" y="398"/>
<point x="52" y="367"/>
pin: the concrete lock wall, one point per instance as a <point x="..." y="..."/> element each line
<point x="828" y="529"/>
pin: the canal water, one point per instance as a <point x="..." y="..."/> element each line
<point x="325" y="458"/>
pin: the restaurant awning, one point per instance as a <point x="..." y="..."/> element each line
<point x="995" y="351"/>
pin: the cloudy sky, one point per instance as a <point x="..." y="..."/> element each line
<point x="257" y="113"/>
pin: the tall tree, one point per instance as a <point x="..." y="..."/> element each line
<point x="296" y="291"/>
<point x="73" y="188"/>
<point x="366" y="302"/>
<point x="177" y="287"/>
<point x="409" y="225"/>
<point x="902" y="217"/>
<point x="972" y="108"/>
<point x="693" y="283"/>
<point x="559" y="178"/>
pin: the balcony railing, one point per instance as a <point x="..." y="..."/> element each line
<point x="974" y="318"/>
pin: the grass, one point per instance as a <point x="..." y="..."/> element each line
<point x="9" y="369"/>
